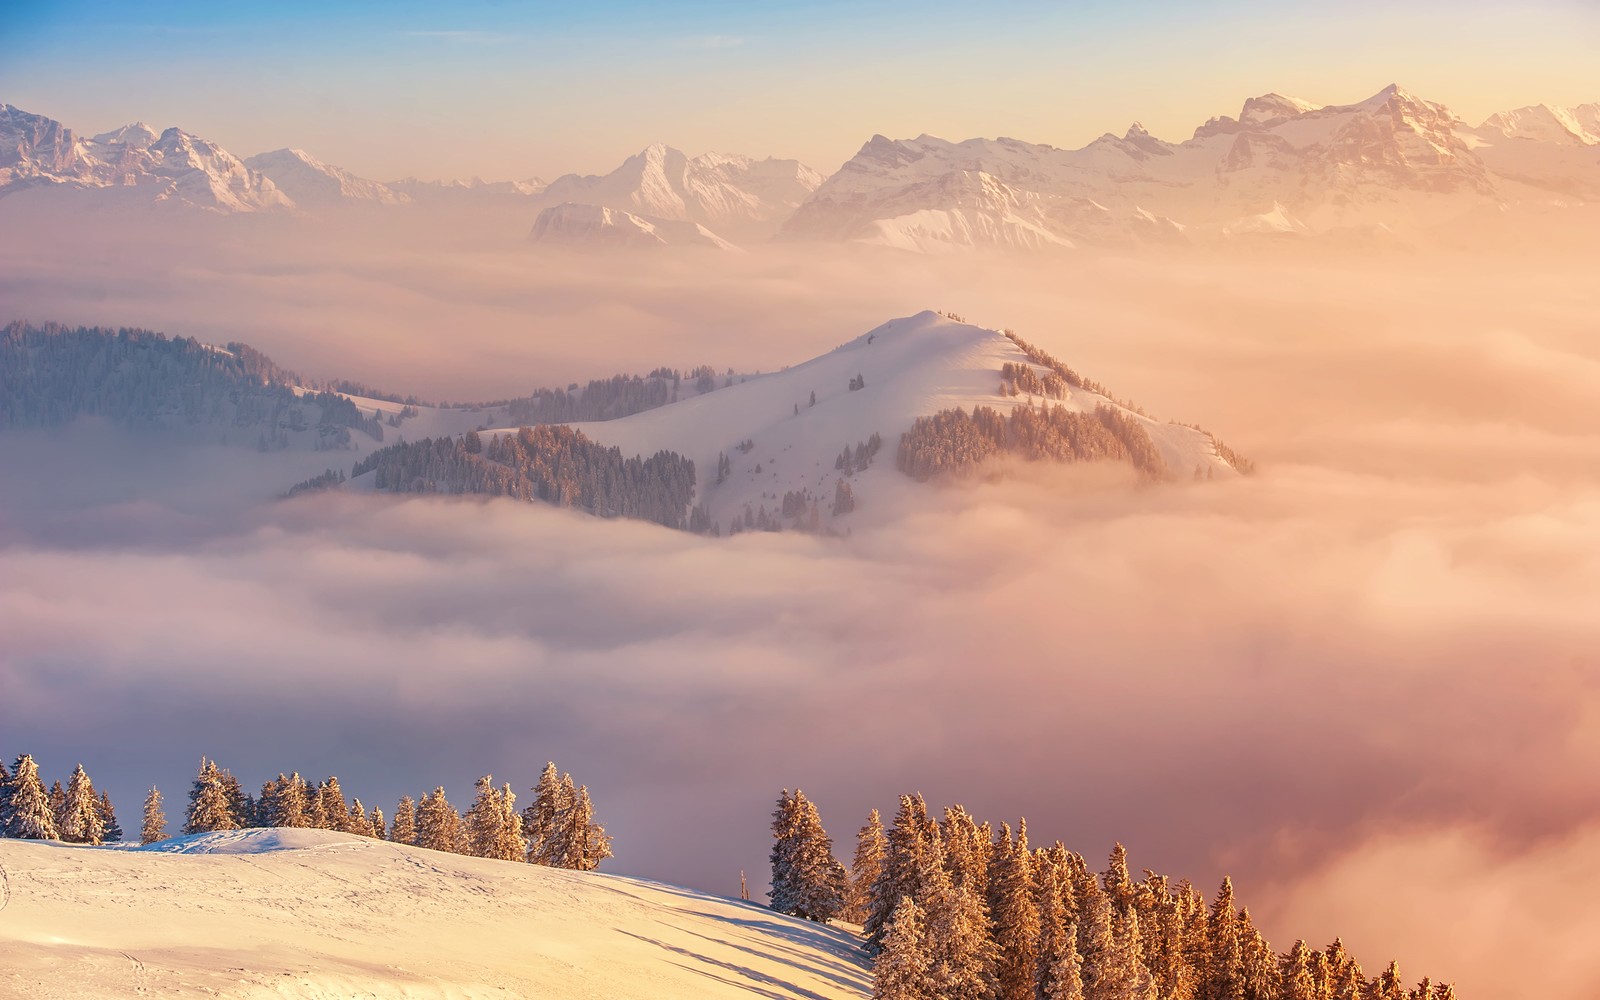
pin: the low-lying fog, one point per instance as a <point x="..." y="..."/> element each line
<point x="1364" y="682"/>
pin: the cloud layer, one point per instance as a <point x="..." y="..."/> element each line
<point x="1363" y="682"/>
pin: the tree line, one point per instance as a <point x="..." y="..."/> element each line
<point x="953" y="909"/>
<point x="954" y="441"/>
<point x="549" y="463"/>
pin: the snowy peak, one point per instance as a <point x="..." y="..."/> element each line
<point x="174" y="167"/>
<point x="310" y="182"/>
<point x="734" y="194"/>
<point x="1269" y="109"/>
<point x="775" y="444"/>
<point x="597" y="227"/>
<point x="1576" y="126"/>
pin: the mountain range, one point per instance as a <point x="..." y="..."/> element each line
<point x="1390" y="166"/>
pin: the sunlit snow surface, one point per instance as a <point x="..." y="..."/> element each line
<point x="312" y="913"/>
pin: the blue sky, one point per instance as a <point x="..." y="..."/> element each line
<point x="521" y="89"/>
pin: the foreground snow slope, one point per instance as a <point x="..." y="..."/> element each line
<point x="311" y="913"/>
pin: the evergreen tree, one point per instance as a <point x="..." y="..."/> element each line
<point x="209" y="806"/>
<point x="541" y="820"/>
<point x="1388" y="985"/>
<point x="1346" y="981"/>
<point x="483" y="823"/>
<point x="901" y="969"/>
<point x="1224" y="978"/>
<point x="1096" y="942"/>
<point x="1258" y="964"/>
<point x="1065" y="977"/>
<point x="357" y="822"/>
<point x="380" y="829"/>
<point x="961" y="954"/>
<point x="331" y="807"/>
<point x="108" y="820"/>
<point x="58" y="805"/>
<point x="28" y="815"/>
<point x="404" y="828"/>
<point x="1014" y="910"/>
<point x="806" y="880"/>
<point x="1298" y="981"/>
<point x="865" y="868"/>
<point x="438" y="823"/>
<point x="913" y="853"/>
<point x="155" y="821"/>
<point x="511" y="846"/>
<point x="587" y="843"/>
<point x="80" y="821"/>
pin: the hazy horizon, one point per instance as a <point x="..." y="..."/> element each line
<point x="511" y="92"/>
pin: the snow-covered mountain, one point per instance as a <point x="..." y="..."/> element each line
<point x="735" y="196"/>
<point x="313" y="913"/>
<point x="473" y="189"/>
<point x="312" y="183"/>
<point x="1575" y="126"/>
<point x="597" y="227"/>
<point x="1393" y="161"/>
<point x="174" y="167"/>
<point x="784" y="432"/>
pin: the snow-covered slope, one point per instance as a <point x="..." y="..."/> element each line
<point x="594" y="226"/>
<point x="311" y="913"/>
<point x="737" y="196"/>
<point x="312" y="183"/>
<point x="1393" y="160"/>
<point x="1576" y="126"/>
<point x="174" y="167"/>
<point x="473" y="189"/>
<point x="911" y="367"/>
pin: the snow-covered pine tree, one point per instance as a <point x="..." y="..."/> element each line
<point x="970" y="849"/>
<point x="1130" y="978"/>
<point x="901" y="969"/>
<point x="961" y="953"/>
<point x="914" y="851"/>
<point x="380" y="829"/>
<point x="865" y="868"/>
<point x="1346" y="981"/>
<point x="481" y="825"/>
<point x="28" y="814"/>
<point x="1014" y="914"/>
<point x="1224" y="976"/>
<point x="587" y="843"/>
<point x="1118" y="884"/>
<point x="331" y="806"/>
<point x="1388" y="986"/>
<point x="541" y="819"/>
<point x="404" y="828"/>
<point x="209" y="808"/>
<point x="806" y="880"/>
<point x="1096" y="942"/>
<point x="1257" y="964"/>
<point x="357" y="822"/>
<point x="438" y="823"/>
<point x="1296" y="974"/>
<point x="112" y="830"/>
<point x="80" y="821"/>
<point x="1064" y="979"/>
<point x="58" y="805"/>
<point x="154" y="827"/>
<point x="510" y="846"/>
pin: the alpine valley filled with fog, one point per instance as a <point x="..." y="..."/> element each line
<point x="1221" y="504"/>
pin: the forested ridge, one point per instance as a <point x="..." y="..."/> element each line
<point x="548" y="463"/>
<point x="51" y="374"/>
<point x="955" y="909"/>
<point x="954" y="441"/>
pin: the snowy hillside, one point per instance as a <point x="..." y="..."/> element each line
<point x="597" y="227"/>
<point x="312" y="913"/>
<point x="312" y="183"/>
<point x="734" y="196"/>
<point x="1393" y="160"/>
<point x="906" y="368"/>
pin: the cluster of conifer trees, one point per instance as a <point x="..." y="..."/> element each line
<point x="75" y="814"/>
<point x="955" y="909"/>
<point x="558" y="829"/>
<point x="51" y="374"/>
<point x="552" y="464"/>
<point x="609" y="398"/>
<point x="953" y="441"/>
